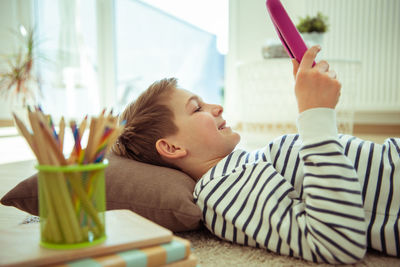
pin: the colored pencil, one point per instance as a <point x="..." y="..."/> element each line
<point x="63" y="223"/>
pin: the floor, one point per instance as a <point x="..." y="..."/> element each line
<point x="17" y="163"/>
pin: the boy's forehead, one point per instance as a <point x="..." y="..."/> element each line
<point x="179" y="100"/>
<point x="182" y="95"/>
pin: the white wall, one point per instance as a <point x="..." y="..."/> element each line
<point x="250" y="26"/>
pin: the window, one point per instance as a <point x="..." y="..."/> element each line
<point x="152" y="44"/>
<point x="68" y="42"/>
<point x="101" y="56"/>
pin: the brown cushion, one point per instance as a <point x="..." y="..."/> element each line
<point x="160" y="194"/>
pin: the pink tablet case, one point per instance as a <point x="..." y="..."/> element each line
<point x="286" y="30"/>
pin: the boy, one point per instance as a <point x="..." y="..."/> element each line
<point x="315" y="195"/>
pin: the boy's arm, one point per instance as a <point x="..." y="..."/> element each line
<point x="333" y="217"/>
<point x="334" y="210"/>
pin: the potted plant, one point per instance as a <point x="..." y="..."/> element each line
<point x="18" y="82"/>
<point x="313" y="28"/>
<point x="19" y="85"/>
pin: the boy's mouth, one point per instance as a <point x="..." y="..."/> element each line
<point x="222" y="126"/>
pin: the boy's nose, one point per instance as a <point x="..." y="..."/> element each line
<point x="217" y="110"/>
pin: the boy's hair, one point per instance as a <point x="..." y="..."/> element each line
<point x="148" y="119"/>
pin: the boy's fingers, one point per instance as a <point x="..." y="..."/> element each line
<point x="295" y="67"/>
<point x="309" y="57"/>
<point x="322" y="66"/>
<point x="332" y="74"/>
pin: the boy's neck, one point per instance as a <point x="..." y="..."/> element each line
<point x="198" y="169"/>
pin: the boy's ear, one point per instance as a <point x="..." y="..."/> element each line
<point x="169" y="150"/>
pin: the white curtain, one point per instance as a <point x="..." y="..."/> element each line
<point x="68" y="32"/>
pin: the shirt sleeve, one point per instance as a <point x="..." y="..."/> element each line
<point x="333" y="219"/>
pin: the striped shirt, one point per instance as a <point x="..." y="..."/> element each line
<point x="318" y="195"/>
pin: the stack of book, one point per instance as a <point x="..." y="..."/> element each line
<point x="131" y="241"/>
<point x="172" y="254"/>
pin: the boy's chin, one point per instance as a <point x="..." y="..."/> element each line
<point x="237" y="140"/>
<point x="238" y="137"/>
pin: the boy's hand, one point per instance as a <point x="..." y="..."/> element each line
<point x="315" y="87"/>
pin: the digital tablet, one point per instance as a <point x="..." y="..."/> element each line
<point x="287" y="32"/>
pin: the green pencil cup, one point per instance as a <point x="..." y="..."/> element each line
<point x="72" y="205"/>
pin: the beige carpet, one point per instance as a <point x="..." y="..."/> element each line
<point x="211" y="251"/>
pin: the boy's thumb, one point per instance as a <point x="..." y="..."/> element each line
<point x="295" y="67"/>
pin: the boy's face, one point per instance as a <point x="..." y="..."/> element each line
<point x="202" y="130"/>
